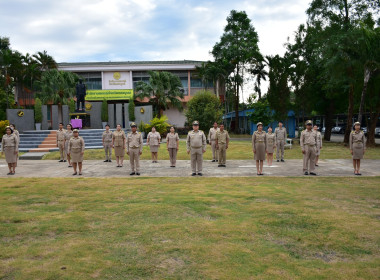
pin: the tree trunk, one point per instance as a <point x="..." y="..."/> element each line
<point x="350" y="112"/>
<point x="367" y="76"/>
<point x="236" y="109"/>
<point x="329" y="120"/>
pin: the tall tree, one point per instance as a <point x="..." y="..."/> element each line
<point x="45" y="61"/>
<point x="237" y="48"/>
<point x="163" y="88"/>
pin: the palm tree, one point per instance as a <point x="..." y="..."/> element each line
<point x="57" y="87"/>
<point x="45" y="61"/>
<point x="201" y="73"/>
<point x="261" y="74"/>
<point x="163" y="88"/>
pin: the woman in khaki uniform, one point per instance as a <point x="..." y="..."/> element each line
<point x="357" y="147"/>
<point x="153" y="140"/>
<point x="172" y="144"/>
<point x="68" y="135"/>
<point x="17" y="134"/>
<point x="118" y="143"/>
<point x="76" y="151"/>
<point x="271" y="145"/>
<point x="319" y="144"/>
<point x="259" y="147"/>
<point x="9" y="146"/>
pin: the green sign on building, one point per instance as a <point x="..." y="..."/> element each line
<point x="109" y="94"/>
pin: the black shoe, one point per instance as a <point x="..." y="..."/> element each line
<point x="213" y="160"/>
<point x="200" y="174"/>
<point x="220" y="165"/>
<point x="105" y="160"/>
<point x="109" y="160"/>
<point x="359" y="174"/>
<point x="193" y="174"/>
<point x="278" y="160"/>
<point x="9" y="173"/>
<point x="306" y="173"/>
<point x="312" y="173"/>
<point x="64" y="160"/>
<point x="60" y="160"/>
<point x="316" y="165"/>
<point x="282" y="160"/>
<point x="132" y="173"/>
<point x="137" y="173"/>
<point x="223" y="165"/>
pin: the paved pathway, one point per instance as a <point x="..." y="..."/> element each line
<point x="235" y="168"/>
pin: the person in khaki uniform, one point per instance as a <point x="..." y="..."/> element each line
<point x="271" y="145"/>
<point x="172" y="144"/>
<point x="107" y="143"/>
<point x="259" y="147"/>
<point x="134" y="149"/>
<point x="17" y="134"/>
<point x="61" y="142"/>
<point x="68" y="135"/>
<point x="196" y="144"/>
<point x="118" y="143"/>
<point x="76" y="151"/>
<point x="9" y="147"/>
<point x="309" y="142"/>
<point x="357" y="147"/>
<point x="280" y="133"/>
<point x="212" y="141"/>
<point x="319" y="144"/>
<point x="222" y="140"/>
<point x="153" y="140"/>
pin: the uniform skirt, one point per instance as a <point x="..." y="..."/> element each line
<point x="76" y="156"/>
<point x="119" y="151"/>
<point x="67" y="147"/>
<point x="260" y="151"/>
<point x="270" y="148"/>
<point x="357" y="151"/>
<point x="154" y="148"/>
<point x="10" y="155"/>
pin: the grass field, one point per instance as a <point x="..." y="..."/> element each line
<point x="190" y="228"/>
<point x="238" y="150"/>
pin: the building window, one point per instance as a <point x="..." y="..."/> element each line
<point x="93" y="80"/>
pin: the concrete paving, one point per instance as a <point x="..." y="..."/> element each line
<point x="235" y="168"/>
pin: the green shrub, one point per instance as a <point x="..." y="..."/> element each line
<point x="104" y="111"/>
<point x="72" y="105"/>
<point x="3" y="125"/>
<point x="37" y="110"/>
<point x="161" y="125"/>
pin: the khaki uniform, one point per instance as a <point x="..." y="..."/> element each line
<point x="280" y="141"/>
<point x="134" y="148"/>
<point x="319" y="143"/>
<point x="61" y="143"/>
<point x="154" y="141"/>
<point x="107" y="144"/>
<point x="357" y="144"/>
<point x="68" y="135"/>
<point x="196" y="144"/>
<point x="119" y="142"/>
<point x="212" y="139"/>
<point x="9" y="145"/>
<point x="76" y="147"/>
<point x="222" y="137"/>
<point x="171" y="139"/>
<point x="309" y="142"/>
<point x="271" y="142"/>
<point x="259" y="143"/>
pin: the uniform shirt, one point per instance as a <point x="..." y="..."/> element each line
<point x="154" y="138"/>
<point x="308" y="138"/>
<point x="76" y="145"/>
<point x="319" y="140"/>
<point x="212" y="134"/>
<point x="68" y="135"/>
<point x="222" y="136"/>
<point x="9" y="141"/>
<point x="61" y="135"/>
<point x="258" y="137"/>
<point x="107" y="136"/>
<point x="172" y="139"/>
<point x="357" y="137"/>
<point x="271" y="139"/>
<point x="196" y="139"/>
<point x="17" y="134"/>
<point x="119" y="138"/>
<point x="134" y="140"/>
<point x="280" y="133"/>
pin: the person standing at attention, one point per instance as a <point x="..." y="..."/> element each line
<point x="309" y="142"/>
<point x="118" y="143"/>
<point x="280" y="133"/>
<point x="153" y="140"/>
<point x="61" y="142"/>
<point x="271" y="145"/>
<point x="9" y="147"/>
<point x="107" y="143"/>
<point x="196" y="145"/>
<point x="76" y="151"/>
<point x="319" y="144"/>
<point x="212" y="141"/>
<point x="172" y="144"/>
<point x="68" y="135"/>
<point x="134" y="149"/>
<point x="222" y="141"/>
<point x="259" y="147"/>
<point x="357" y="147"/>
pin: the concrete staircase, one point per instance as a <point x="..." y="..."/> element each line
<point x="45" y="140"/>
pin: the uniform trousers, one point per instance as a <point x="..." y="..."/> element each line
<point x="134" y="159"/>
<point x="214" y="150"/>
<point x="62" y="152"/>
<point x="222" y="154"/>
<point x="280" y="147"/>
<point x="108" y="150"/>
<point x="196" y="159"/>
<point x="173" y="156"/>
<point x="309" y="158"/>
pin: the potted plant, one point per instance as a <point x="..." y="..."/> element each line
<point x="38" y="113"/>
<point x="104" y="114"/>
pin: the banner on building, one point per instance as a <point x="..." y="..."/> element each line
<point x="109" y="94"/>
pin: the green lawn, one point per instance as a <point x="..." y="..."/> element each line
<point x="238" y="150"/>
<point x="190" y="228"/>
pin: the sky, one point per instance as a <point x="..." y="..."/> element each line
<point x="127" y="30"/>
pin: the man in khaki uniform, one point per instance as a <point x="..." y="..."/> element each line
<point x="280" y="133"/>
<point x="134" y="149"/>
<point x="222" y="140"/>
<point x="107" y="143"/>
<point x="196" y="144"/>
<point x="309" y="142"/>
<point x="61" y="142"/>
<point x="212" y="141"/>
